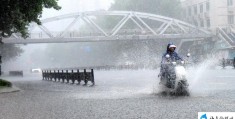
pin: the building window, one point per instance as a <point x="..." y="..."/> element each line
<point x="195" y="23"/>
<point x="208" y="23"/>
<point x="207" y="6"/>
<point x="189" y="11"/>
<point x="184" y="13"/>
<point x="201" y="8"/>
<point x="201" y="23"/>
<point x="230" y="2"/>
<point x="195" y="9"/>
<point x="230" y="19"/>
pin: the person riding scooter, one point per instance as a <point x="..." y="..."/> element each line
<point x="173" y="57"/>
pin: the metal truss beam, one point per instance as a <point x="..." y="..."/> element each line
<point x="43" y="28"/>
<point x="142" y="29"/>
<point x="138" y="18"/>
<point x="96" y="26"/>
<point x="120" y="26"/>
<point x="164" y="29"/>
<point x="119" y="23"/>
<point x="69" y="26"/>
<point x="145" y="25"/>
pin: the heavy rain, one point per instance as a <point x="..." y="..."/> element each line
<point x="117" y="59"/>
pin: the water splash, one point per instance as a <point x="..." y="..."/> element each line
<point x="198" y="75"/>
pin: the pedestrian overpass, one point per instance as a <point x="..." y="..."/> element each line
<point x="144" y="26"/>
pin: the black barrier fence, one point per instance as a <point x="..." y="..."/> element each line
<point x="16" y="73"/>
<point x="68" y="76"/>
<point x="227" y="62"/>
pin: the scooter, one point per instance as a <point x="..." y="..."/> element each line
<point x="173" y="80"/>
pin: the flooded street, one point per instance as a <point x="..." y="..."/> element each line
<point x="119" y="94"/>
<point x="136" y="55"/>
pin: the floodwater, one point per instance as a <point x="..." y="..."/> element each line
<point x="119" y="94"/>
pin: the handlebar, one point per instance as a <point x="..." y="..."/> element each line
<point x="173" y="63"/>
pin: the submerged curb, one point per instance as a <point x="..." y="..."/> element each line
<point x="9" y="89"/>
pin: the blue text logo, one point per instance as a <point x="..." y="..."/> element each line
<point x="203" y="116"/>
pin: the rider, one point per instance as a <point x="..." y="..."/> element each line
<point x="173" y="57"/>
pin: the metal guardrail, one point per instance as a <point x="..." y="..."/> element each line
<point x="16" y="73"/>
<point x="227" y="62"/>
<point x="69" y="76"/>
<point x="104" y="38"/>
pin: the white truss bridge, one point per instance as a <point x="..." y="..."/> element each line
<point x="163" y="28"/>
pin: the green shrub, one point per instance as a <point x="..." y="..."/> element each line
<point x="5" y="83"/>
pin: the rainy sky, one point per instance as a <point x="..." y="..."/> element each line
<point x="68" y="6"/>
<point x="72" y="6"/>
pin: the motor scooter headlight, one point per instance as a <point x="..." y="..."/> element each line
<point x="182" y="62"/>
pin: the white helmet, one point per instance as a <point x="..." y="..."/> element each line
<point x="172" y="46"/>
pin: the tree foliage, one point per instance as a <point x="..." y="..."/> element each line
<point x="9" y="51"/>
<point x="170" y="8"/>
<point x="15" y="15"/>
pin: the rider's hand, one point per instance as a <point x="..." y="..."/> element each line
<point x="182" y="62"/>
<point x="159" y="75"/>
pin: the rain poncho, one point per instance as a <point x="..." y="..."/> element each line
<point x="173" y="56"/>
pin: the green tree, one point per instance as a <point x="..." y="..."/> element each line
<point x="16" y="15"/>
<point x="9" y="51"/>
<point x="170" y="8"/>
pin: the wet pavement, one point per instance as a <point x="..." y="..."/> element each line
<point x="123" y="94"/>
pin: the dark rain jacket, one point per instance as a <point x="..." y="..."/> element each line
<point x="173" y="56"/>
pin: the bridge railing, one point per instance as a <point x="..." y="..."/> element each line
<point x="69" y="76"/>
<point x="74" y="34"/>
<point x="16" y="73"/>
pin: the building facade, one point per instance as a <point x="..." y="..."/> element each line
<point x="209" y="14"/>
<point x="216" y="16"/>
